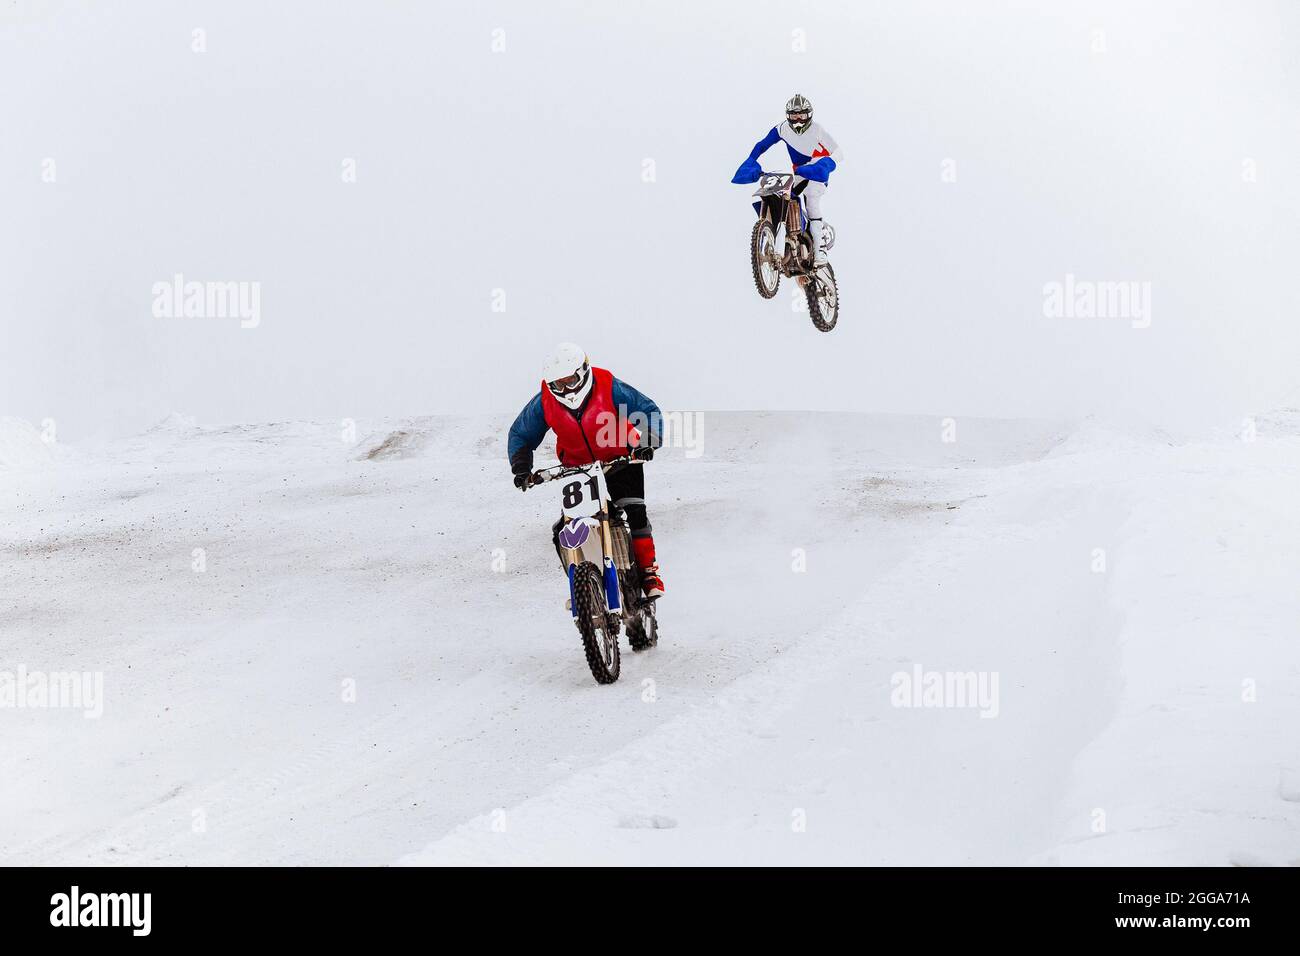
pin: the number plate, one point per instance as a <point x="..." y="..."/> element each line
<point x="772" y="183"/>
<point x="581" y="495"/>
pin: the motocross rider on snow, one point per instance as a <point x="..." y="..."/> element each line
<point x="592" y="415"/>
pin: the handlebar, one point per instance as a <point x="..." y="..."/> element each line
<point x="563" y="471"/>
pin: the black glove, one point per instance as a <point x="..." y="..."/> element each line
<point x="521" y="463"/>
<point x="644" y="453"/>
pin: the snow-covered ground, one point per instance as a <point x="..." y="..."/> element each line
<point x="317" y="647"/>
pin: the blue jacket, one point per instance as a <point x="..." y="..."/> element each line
<point x="530" y="428"/>
<point x="811" y="153"/>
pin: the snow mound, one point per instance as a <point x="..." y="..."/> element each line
<point x="21" y="446"/>
<point x="454" y="437"/>
<point x="1279" y="423"/>
<point x="1092" y="436"/>
<point x="407" y="442"/>
<point x="176" y="424"/>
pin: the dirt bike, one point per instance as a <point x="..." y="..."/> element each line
<point x="780" y="245"/>
<point x="604" y="580"/>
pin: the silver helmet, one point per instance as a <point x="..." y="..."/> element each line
<point x="798" y="112"/>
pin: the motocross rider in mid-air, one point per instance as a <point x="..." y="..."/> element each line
<point x="812" y="153"/>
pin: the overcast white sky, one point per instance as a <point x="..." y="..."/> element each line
<point x="1107" y="140"/>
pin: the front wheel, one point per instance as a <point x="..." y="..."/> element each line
<point x="764" y="258"/>
<point x="823" y="298"/>
<point x="599" y="638"/>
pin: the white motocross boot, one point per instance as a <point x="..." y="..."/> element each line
<point x="815" y="233"/>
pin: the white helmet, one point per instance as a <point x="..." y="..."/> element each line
<point x="567" y="374"/>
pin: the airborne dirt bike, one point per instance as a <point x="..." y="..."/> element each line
<point x="780" y="245"/>
<point x="604" y="580"/>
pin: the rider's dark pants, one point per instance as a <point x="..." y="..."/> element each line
<point x="626" y="485"/>
<point x="627" y="492"/>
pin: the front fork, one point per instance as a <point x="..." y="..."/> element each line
<point x="612" y="600"/>
<point x="791" y="216"/>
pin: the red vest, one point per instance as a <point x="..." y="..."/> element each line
<point x="592" y="433"/>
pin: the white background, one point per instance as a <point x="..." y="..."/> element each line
<point x="522" y="170"/>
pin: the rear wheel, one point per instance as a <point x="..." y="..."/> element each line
<point x="764" y="258"/>
<point x="823" y="298"/>
<point x="642" y="629"/>
<point x="599" y="638"/>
